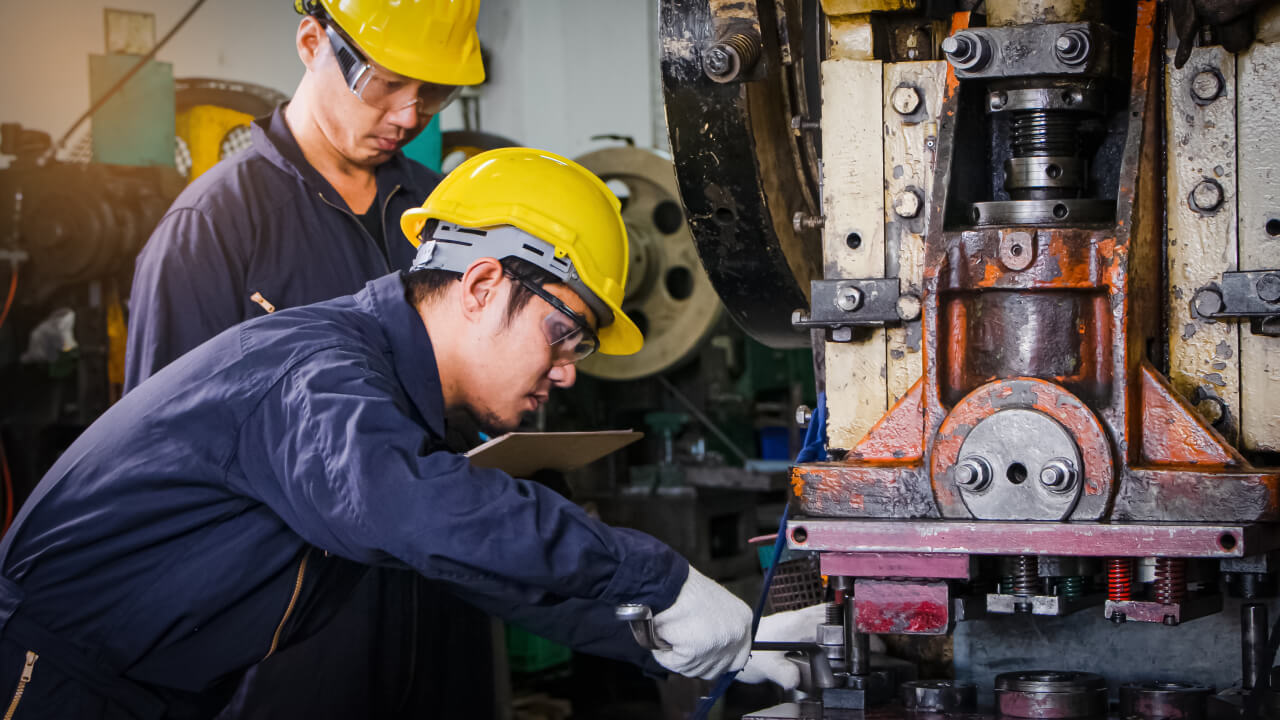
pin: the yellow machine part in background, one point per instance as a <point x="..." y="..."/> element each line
<point x="203" y="128"/>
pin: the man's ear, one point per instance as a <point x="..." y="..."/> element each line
<point x="311" y="41"/>
<point x="481" y="285"/>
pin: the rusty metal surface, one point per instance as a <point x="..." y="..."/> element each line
<point x="1025" y="538"/>
<point x="907" y="565"/>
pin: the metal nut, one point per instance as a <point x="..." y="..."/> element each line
<point x="842" y="334"/>
<point x="1206" y="196"/>
<point x="1268" y="288"/>
<point x="798" y="317"/>
<point x="1072" y="47"/>
<point x="717" y="60"/>
<point x="905" y="99"/>
<point x="967" y="50"/>
<point x="830" y="634"/>
<point x="972" y="473"/>
<point x="804" y="414"/>
<point x="907" y="204"/>
<point x="848" y="298"/>
<point x="1206" y="86"/>
<point x="1059" y="475"/>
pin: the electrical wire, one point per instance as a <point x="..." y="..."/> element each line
<point x="13" y="289"/>
<point x="97" y="105"/>
<point x="722" y="685"/>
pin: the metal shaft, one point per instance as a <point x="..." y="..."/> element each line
<point x="1253" y="645"/>
<point x="857" y="646"/>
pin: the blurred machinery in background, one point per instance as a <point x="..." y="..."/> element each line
<point x="1034" y="245"/>
<point x="72" y="221"/>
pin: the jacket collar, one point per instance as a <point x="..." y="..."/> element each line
<point x="412" y="355"/>
<point x="273" y="139"/>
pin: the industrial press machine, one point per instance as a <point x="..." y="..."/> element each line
<point x="1036" y="248"/>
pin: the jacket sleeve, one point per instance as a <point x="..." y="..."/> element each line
<point x="187" y="287"/>
<point x="334" y="451"/>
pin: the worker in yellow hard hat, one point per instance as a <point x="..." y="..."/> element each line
<point x="217" y="513"/>
<point x="307" y="213"/>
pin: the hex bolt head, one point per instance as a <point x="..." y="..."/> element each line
<point x="848" y="298"/>
<point x="1072" y="47"/>
<point x="842" y="334"/>
<point x="1206" y="86"/>
<point x="972" y="473"/>
<point x="905" y="99"/>
<point x="1059" y="475"/>
<point x="907" y="204"/>
<point x="1268" y="288"/>
<point x="804" y="415"/>
<point x="1206" y="196"/>
<point x="717" y="60"/>
<point x="1206" y="303"/>
<point x="908" y="307"/>
<point x="798" y="317"/>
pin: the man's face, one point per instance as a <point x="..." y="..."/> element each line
<point x="363" y="134"/>
<point x="517" y="365"/>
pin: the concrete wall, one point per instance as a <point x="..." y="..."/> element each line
<point x="563" y="70"/>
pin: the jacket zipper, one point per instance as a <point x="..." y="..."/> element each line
<point x="22" y="684"/>
<point x="386" y="203"/>
<point x="293" y="600"/>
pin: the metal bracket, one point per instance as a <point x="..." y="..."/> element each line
<point x="1254" y="294"/>
<point x="838" y="306"/>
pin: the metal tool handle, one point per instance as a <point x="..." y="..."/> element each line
<point x="640" y="618"/>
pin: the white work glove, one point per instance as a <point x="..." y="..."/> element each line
<point x="790" y="626"/>
<point x="708" y="628"/>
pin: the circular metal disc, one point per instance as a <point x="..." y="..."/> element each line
<point x="1018" y="444"/>
<point x="668" y="294"/>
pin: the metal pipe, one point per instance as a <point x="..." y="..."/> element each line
<point x="1253" y="645"/>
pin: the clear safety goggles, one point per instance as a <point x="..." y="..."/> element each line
<point x="568" y="333"/>
<point x="380" y="88"/>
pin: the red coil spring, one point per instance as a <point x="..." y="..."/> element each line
<point x="1119" y="579"/>
<point x="1171" y="580"/>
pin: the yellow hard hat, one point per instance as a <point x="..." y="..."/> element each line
<point x="555" y="200"/>
<point x="430" y="40"/>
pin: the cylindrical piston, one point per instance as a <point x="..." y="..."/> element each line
<point x="938" y="696"/>
<point x="1164" y="701"/>
<point x="1044" y="177"/>
<point x="1050" y="694"/>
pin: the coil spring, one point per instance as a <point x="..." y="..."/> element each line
<point x="1171" y="580"/>
<point x="1071" y="588"/>
<point x="1119" y="579"/>
<point x="1026" y="579"/>
<point x="1044" y="132"/>
<point x="1006" y="585"/>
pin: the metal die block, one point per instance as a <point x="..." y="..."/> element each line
<point x="1194" y="606"/>
<point x="934" y="566"/>
<point x="1049" y="605"/>
<point x="912" y="608"/>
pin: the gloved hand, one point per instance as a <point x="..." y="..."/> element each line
<point x="790" y="626"/>
<point x="708" y="628"/>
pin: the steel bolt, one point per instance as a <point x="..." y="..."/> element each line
<point x="967" y="51"/>
<point x="842" y="334"/>
<point x="718" y="61"/>
<point x="972" y="473"/>
<point x="804" y="414"/>
<point x="1268" y="288"/>
<point x="908" y="307"/>
<point x="998" y="99"/>
<point x="905" y="99"/>
<point x="848" y="298"/>
<point x="799" y="316"/>
<point x="1207" y="302"/>
<point x="906" y="204"/>
<point x="1058" y="475"/>
<point x="1206" y="196"/>
<point x="802" y="221"/>
<point x="800" y="122"/>
<point x="1206" y="86"/>
<point x="1072" y="47"/>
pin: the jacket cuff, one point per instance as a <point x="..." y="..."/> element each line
<point x="650" y="572"/>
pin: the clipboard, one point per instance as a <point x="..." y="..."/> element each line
<point x="520" y="454"/>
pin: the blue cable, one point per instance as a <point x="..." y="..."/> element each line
<point x="814" y="450"/>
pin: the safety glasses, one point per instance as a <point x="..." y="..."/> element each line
<point x="380" y="88"/>
<point x="568" y="333"/>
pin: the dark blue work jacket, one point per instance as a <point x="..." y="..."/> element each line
<point x="266" y="222"/>
<point x="216" y="513"/>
